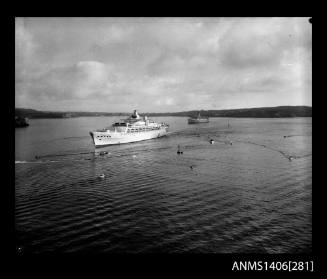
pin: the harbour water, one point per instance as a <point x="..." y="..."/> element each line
<point x="248" y="192"/>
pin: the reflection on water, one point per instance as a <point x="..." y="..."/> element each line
<point x="249" y="191"/>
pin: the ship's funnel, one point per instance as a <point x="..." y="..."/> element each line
<point x="135" y="114"/>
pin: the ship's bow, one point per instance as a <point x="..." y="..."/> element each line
<point x="92" y="136"/>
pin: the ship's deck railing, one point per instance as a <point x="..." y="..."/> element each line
<point x="131" y="128"/>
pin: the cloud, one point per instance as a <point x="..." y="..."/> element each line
<point x="25" y="48"/>
<point x="162" y="64"/>
<point x="82" y="80"/>
<point x="260" y="42"/>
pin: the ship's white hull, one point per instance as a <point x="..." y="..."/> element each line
<point x="108" y="138"/>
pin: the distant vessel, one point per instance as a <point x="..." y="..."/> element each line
<point x="198" y="119"/>
<point x="21" y="122"/>
<point x="132" y="129"/>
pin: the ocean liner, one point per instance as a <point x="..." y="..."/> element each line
<point x="134" y="128"/>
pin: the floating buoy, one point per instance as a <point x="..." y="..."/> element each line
<point x="102" y="176"/>
<point x="212" y="141"/>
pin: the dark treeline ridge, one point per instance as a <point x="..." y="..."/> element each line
<point x="32" y="113"/>
<point x="265" y="112"/>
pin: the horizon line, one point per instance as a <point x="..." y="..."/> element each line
<point x="166" y="111"/>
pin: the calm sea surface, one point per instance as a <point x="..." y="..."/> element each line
<point x="243" y="194"/>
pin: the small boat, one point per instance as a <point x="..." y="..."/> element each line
<point x="198" y="119"/>
<point x="21" y="122"/>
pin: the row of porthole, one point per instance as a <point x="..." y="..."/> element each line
<point x="145" y="130"/>
<point x="99" y="137"/>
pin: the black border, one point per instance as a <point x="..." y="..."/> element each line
<point x="122" y="263"/>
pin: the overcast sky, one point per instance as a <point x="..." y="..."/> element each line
<point x="162" y="64"/>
